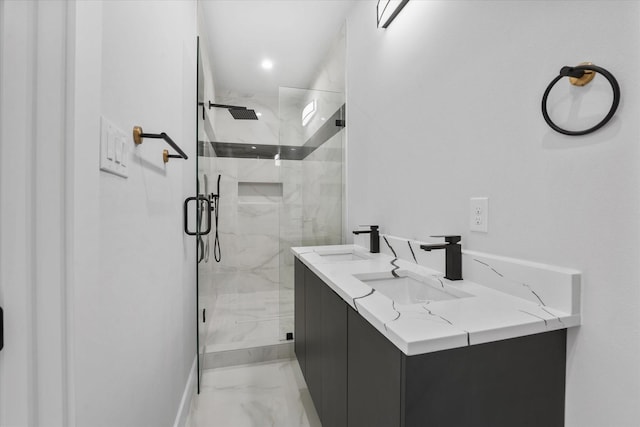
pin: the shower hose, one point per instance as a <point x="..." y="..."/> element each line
<point x="217" y="252"/>
<point x="203" y="206"/>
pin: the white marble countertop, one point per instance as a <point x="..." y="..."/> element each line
<point x="488" y="314"/>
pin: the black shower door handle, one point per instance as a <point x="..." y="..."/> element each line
<point x="1" y="329"/>
<point x="208" y="210"/>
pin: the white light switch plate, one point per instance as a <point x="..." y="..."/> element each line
<point x="113" y="149"/>
<point x="479" y="214"/>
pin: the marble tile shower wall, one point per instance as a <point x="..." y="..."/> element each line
<point x="257" y="232"/>
<point x="251" y="228"/>
<point x="314" y="217"/>
<point x="322" y="194"/>
<point x="291" y="103"/>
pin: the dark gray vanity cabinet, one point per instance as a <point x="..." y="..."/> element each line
<point x="321" y="321"/>
<point x="515" y="382"/>
<point x="358" y="378"/>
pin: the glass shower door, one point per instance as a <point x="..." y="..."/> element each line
<point x="200" y="314"/>
<point x="204" y="208"/>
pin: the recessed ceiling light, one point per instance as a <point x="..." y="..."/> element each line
<point x="258" y="114"/>
<point x="267" y="64"/>
<point x="323" y="119"/>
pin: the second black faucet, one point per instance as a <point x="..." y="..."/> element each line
<point x="453" y="256"/>
<point x="374" y="240"/>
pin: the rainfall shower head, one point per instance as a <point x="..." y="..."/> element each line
<point x="238" y="113"/>
<point x="243" y="114"/>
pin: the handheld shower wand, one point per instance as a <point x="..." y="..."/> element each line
<point x="215" y="199"/>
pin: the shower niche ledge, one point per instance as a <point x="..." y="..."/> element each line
<point x="259" y="192"/>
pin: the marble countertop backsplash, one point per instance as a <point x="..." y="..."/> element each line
<point x="507" y="297"/>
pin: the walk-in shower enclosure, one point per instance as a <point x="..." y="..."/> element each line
<point x="281" y="185"/>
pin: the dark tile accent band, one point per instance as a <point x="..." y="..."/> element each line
<point x="238" y="150"/>
<point x="331" y="126"/>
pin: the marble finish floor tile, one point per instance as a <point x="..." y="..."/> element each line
<point x="271" y="394"/>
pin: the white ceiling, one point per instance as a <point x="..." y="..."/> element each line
<point x="294" y="34"/>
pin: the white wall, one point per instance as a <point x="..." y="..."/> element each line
<point x="33" y="167"/>
<point x="444" y="105"/>
<point x="133" y="299"/>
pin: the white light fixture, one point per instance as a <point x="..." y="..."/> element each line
<point x="308" y="112"/>
<point x="267" y="64"/>
<point x="388" y="10"/>
<point x="259" y="114"/>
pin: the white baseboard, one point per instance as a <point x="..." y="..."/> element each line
<point x="187" y="396"/>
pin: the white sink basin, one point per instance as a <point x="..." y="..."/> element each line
<point x="410" y="288"/>
<point x="348" y="255"/>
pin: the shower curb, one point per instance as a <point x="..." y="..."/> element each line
<point x="244" y="356"/>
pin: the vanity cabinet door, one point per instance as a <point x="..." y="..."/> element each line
<point x="321" y="321"/>
<point x="313" y="337"/>
<point x="373" y="377"/>
<point x="334" y="359"/>
<point x="299" y="315"/>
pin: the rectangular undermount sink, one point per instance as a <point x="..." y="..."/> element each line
<point x="410" y="288"/>
<point x="342" y="256"/>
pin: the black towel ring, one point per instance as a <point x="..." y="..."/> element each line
<point x="578" y="72"/>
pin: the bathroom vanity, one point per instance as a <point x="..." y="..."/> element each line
<point x="370" y="361"/>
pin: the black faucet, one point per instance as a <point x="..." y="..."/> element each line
<point x="374" y="241"/>
<point x="453" y="253"/>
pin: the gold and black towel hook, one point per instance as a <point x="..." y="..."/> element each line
<point x="139" y="135"/>
<point x="581" y="75"/>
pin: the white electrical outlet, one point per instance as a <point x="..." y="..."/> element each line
<point x="479" y="214"/>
